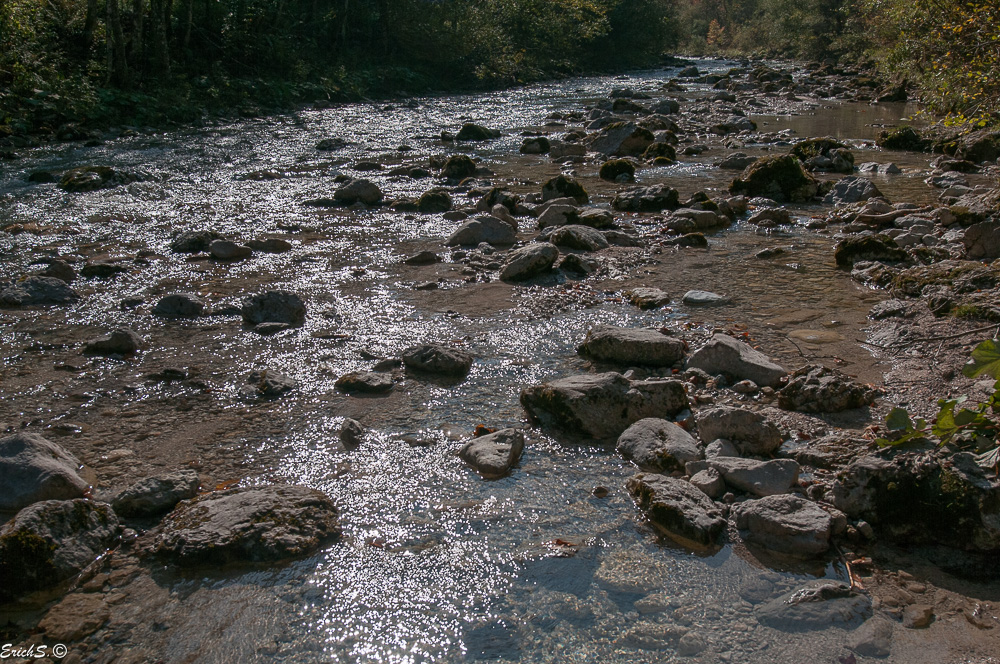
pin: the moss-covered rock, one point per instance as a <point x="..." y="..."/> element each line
<point x="458" y="166"/>
<point x="660" y="150"/>
<point x="902" y="138"/>
<point x="614" y="168"/>
<point x="868" y="248"/>
<point x="434" y="201"/>
<point x="565" y="187"/>
<point x="815" y="147"/>
<point x="474" y="132"/>
<point x="779" y="177"/>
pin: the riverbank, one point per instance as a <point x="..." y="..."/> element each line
<point x="352" y="211"/>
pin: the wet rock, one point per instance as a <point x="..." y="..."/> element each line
<point x="695" y="240"/>
<point x="423" y="258"/>
<point x="562" y="149"/>
<point x="736" y="161"/>
<point x="677" y="507"/>
<point x="873" y="638"/>
<point x="486" y="228"/>
<point x="226" y="250"/>
<point x="868" y="248"/>
<point x="331" y="144"/>
<point x="785" y="524"/>
<point x="564" y="187"/>
<point x="601" y="405"/>
<point x="959" y="504"/>
<point x="751" y="432"/>
<point x="191" y="242"/>
<point x="102" y="269"/>
<point x="351" y="433"/>
<point x="438" y="359"/>
<point x="888" y="309"/>
<point x="614" y="169"/>
<point x="817" y="389"/>
<point x="880" y="169"/>
<point x="648" y="298"/>
<point x="666" y="107"/>
<point x="779" y="177"/>
<point x="622" y="139"/>
<point x="267" y="329"/>
<point x="34" y="469"/>
<point x="51" y="541"/>
<point x="365" y="382"/>
<point x="851" y="189"/>
<point x="59" y="270"/>
<point x="270" y="245"/>
<point x="122" y="341"/>
<point x="156" y="495"/>
<point x="710" y="482"/>
<point x="658" y="446"/>
<point x="474" y="132"/>
<point x="274" y="307"/>
<point x="251" y="524"/>
<point x="632" y="346"/>
<point x="647" y="199"/>
<point x="760" y="478"/>
<point x="179" y="305"/>
<point x="770" y="217"/>
<point x="92" y="178"/>
<point x="529" y="261"/>
<point x="76" y="616"/>
<point x="459" y="167"/>
<point x="37" y="291"/>
<point x="816" y="605"/>
<point x="733" y="125"/>
<point x="535" y="145"/>
<point x="902" y="138"/>
<point x="358" y="191"/>
<point x="270" y="384"/>
<point x="724" y="354"/>
<point x="583" y="238"/>
<point x="702" y="298"/>
<point x="558" y="215"/>
<point x="686" y="220"/>
<point x="596" y="218"/>
<point x="434" y="201"/>
<point x="982" y="241"/>
<point x="660" y="153"/>
<point x="578" y="264"/>
<point x="493" y="455"/>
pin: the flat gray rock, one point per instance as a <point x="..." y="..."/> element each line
<point x="493" y="455"/>
<point x="251" y="524"/>
<point x="575" y="236"/>
<point x="34" y="469"/>
<point x="816" y="605"/>
<point x="36" y="291"/>
<point x="851" y="190"/>
<point x="658" y="445"/>
<point x="270" y="384"/>
<point x="648" y="298"/>
<point x="274" y="307"/>
<point x="760" y="478"/>
<point x="558" y="215"/>
<point x="122" y="341"/>
<point x="438" y="359"/>
<point x="156" y="495"/>
<point x="632" y="346"/>
<point x="677" y="507"/>
<point x="702" y="298"/>
<point x="750" y="432"/>
<point x="601" y="405"/>
<point x="365" y="382"/>
<point x="486" y="228"/>
<point x="51" y="541"/>
<point x="179" y="305"/>
<point x="724" y="354"/>
<point x="786" y="524"/>
<point x="529" y="261"/>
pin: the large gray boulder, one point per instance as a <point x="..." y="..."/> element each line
<point x="817" y="389"/>
<point x="155" y="495"/>
<point x="558" y="215"/>
<point x="659" y="446"/>
<point x="786" y="524"/>
<point x="274" y="307"/>
<point x="486" y="228"/>
<point x="677" y="507"/>
<point x="819" y="604"/>
<point x="251" y="524"/>
<point x="760" y="478"/>
<point x="982" y="241"/>
<point x="437" y="359"/>
<point x="35" y="291"/>
<point x="622" y="139"/>
<point x="34" y="469"/>
<point x="51" y="541"/>
<point x="632" y="346"/>
<point x="851" y="189"/>
<point x="358" y="191"/>
<point x="601" y="405"/>
<point x="575" y="236"/>
<point x="751" y="432"/>
<point x="724" y="354"/>
<point x="529" y="261"/>
<point x="493" y="455"/>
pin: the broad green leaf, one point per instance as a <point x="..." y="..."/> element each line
<point x="898" y="420"/>
<point x="985" y="360"/>
<point x="989" y="459"/>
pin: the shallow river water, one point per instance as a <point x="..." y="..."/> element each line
<point x="436" y="564"/>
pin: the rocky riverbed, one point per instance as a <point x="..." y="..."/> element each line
<point x="584" y="371"/>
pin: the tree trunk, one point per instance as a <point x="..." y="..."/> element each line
<point x="159" y="58"/>
<point x="118" y="73"/>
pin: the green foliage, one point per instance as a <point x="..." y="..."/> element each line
<point x="973" y="428"/>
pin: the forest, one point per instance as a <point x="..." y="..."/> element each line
<point x="97" y="62"/>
